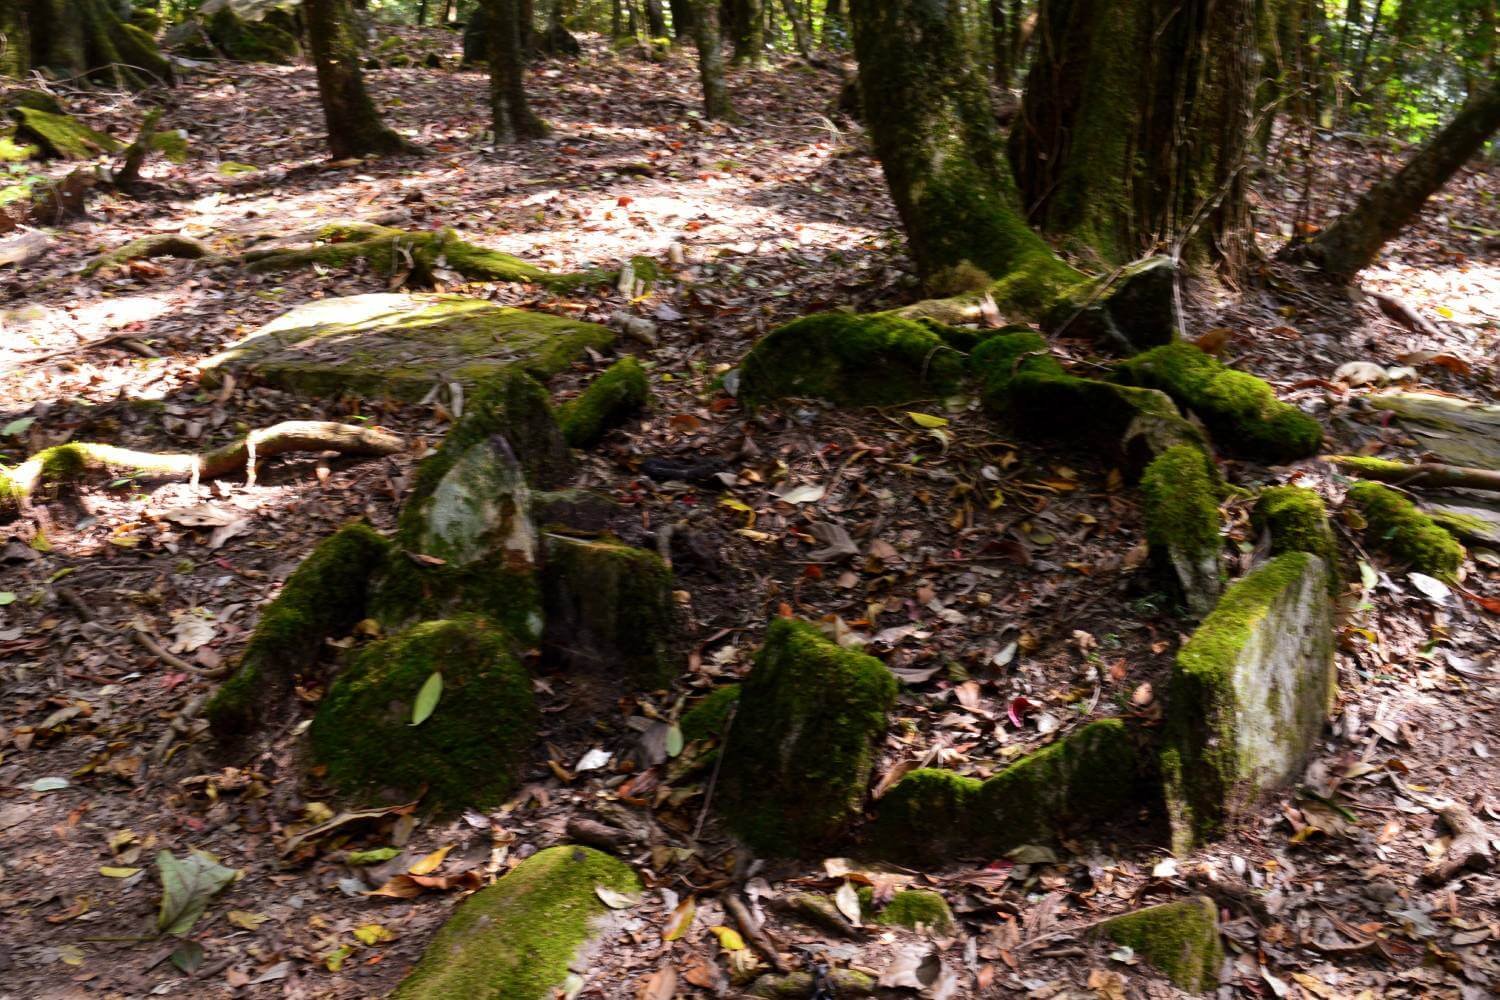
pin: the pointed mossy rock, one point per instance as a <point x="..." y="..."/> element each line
<point x="849" y="360"/>
<point x="245" y="40"/>
<point x="517" y="938"/>
<point x="1240" y="410"/>
<point x="1396" y="525"/>
<point x="467" y="753"/>
<point x="909" y="908"/>
<point x="1090" y="779"/>
<point x="609" y="609"/>
<point x="1458" y="431"/>
<point x="26" y="97"/>
<point x="323" y="598"/>
<point x="797" y="759"/>
<point x="1249" y="694"/>
<point x="1297" y="521"/>
<point x="1134" y="314"/>
<point x="401" y="345"/>
<point x="62" y="136"/>
<point x="1180" y="493"/>
<point x="1181" y="939"/>
<point x="618" y="394"/>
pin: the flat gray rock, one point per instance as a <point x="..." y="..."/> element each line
<point x="1457" y="431"/>
<point x="1471" y="519"/>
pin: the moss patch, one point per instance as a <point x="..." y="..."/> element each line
<point x="466" y="753"/>
<point x="908" y="908"/>
<point x="1239" y="409"/>
<point x="62" y="136"/>
<point x="708" y="717"/>
<point x="251" y="41"/>
<point x="1181" y="490"/>
<point x="610" y="400"/>
<point x="802" y="746"/>
<point x="849" y="360"/>
<point x="1181" y="939"/>
<point x="516" y="938"/>
<point x="1396" y="525"/>
<point x="325" y="596"/>
<point x="609" y="607"/>
<point x="161" y="245"/>
<point x="1297" y="521"/>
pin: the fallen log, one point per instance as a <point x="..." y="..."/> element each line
<point x="1419" y="474"/>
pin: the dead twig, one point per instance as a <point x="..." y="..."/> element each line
<point x="150" y="645"/>
<point x="1419" y="474"/>
<point x="752" y="930"/>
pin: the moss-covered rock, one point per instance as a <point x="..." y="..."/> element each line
<point x="909" y="908"/>
<point x="1240" y="410"/>
<point x="800" y="985"/>
<point x="581" y="511"/>
<point x="609" y="608"/>
<point x="251" y="41"/>
<point x="1134" y="314"/>
<point x="1181" y="939"/>
<point x="1396" y="525"/>
<point x="1180" y="494"/>
<point x="932" y="815"/>
<point x="324" y="597"/>
<point x="1297" y="521"/>
<point x="1249" y="694"/>
<point x="398" y="345"/>
<point x="875" y="360"/>
<point x="466" y="753"/>
<point x="1458" y="431"/>
<point x="517" y="938"/>
<point x="709" y="717"/>
<point x="802" y="746"/>
<point x="62" y="136"/>
<point x="619" y="393"/>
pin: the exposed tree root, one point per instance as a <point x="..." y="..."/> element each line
<point x="162" y="245"/>
<point x="66" y="461"/>
<point x="1470" y="848"/>
<point x="1422" y="474"/>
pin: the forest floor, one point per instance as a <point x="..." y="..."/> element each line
<point x="1000" y="578"/>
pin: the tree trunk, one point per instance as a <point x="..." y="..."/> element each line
<point x="801" y="33"/>
<point x="83" y="39"/>
<point x="999" y="44"/>
<point x="711" y="60"/>
<point x="682" y="18"/>
<point x="1354" y="239"/>
<point x="1134" y="127"/>
<point x="835" y="26"/>
<point x="656" y="21"/>
<point x="748" y="30"/>
<point x="354" y="126"/>
<point x="15" y="36"/>
<point x="933" y="128"/>
<point x="510" y="113"/>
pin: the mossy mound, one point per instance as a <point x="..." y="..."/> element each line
<point x="802" y="746"/>
<point x="609" y="608"/>
<point x="466" y="753"/>
<point x="1135" y="314"/>
<point x="610" y="400"/>
<point x="1297" y="521"/>
<point x="251" y="41"/>
<point x="1181" y="490"/>
<point x="849" y="360"/>
<point x="62" y="136"/>
<point x="708" y="719"/>
<point x="517" y="938"/>
<point x="27" y="97"/>
<point x="909" y="908"/>
<point x="1249" y="694"/>
<point x="931" y="815"/>
<point x="324" y="597"/>
<point x="1181" y="939"/>
<point x="400" y="345"/>
<point x="1396" y="525"/>
<point x="1240" y="410"/>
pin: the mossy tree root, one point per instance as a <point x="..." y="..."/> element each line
<point x="161" y="245"/>
<point x="1395" y="524"/>
<point x="1418" y="474"/>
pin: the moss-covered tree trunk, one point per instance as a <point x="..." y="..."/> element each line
<point x="929" y="115"/>
<point x="1135" y="124"/>
<point x="711" y="59"/>
<point x="84" y="39"/>
<point x="999" y="44"/>
<point x="835" y="34"/>
<point x="354" y="126"/>
<point x="15" y="39"/>
<point x="1354" y="239"/>
<point x="510" y="112"/>
<point x="747" y="29"/>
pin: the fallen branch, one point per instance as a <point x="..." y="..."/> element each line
<point x="601" y="835"/>
<point x="66" y="461"/>
<point x="752" y="930"/>
<point x="71" y="598"/>
<point x="1470" y="847"/>
<point x="160" y="245"/>
<point x="1420" y="474"/>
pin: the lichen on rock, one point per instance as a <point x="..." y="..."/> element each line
<point x="517" y="938"/>
<point x="1180" y="938"/>
<point x="1180" y="493"/>
<point x="466" y="753"/>
<point x="619" y="393"/>
<point x="802" y="746"/>
<point x="1395" y="524"/>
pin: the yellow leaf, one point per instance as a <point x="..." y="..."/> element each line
<point x="681" y="920"/>
<point x="729" y="938"/>
<point x="335" y="961"/>
<point x="429" y="864"/>
<point x="927" y="420"/>
<point x="373" y="934"/>
<point x="109" y="872"/>
<point x="244" y="918"/>
<point x="734" y="504"/>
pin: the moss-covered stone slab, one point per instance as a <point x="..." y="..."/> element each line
<point x="1394" y="523"/>
<point x="1458" y="431"/>
<point x="1468" y="518"/>
<point x="1090" y="778"/>
<point x="1135" y="313"/>
<point x="909" y="908"/>
<point x="875" y="360"/>
<point x="466" y="753"/>
<point x="1297" y="521"/>
<point x="799" y="754"/>
<point x="1181" y="490"/>
<point x="1181" y="939"/>
<point x="1249" y="694"/>
<point x="400" y="345"/>
<point x="611" y="399"/>
<point x="62" y="136"/>
<point x="517" y="938"/>
<point x="609" y="609"/>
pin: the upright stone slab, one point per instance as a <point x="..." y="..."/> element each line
<point x="399" y="345"/>
<point x="1249" y="695"/>
<point x="609" y="609"/>
<point x="1180" y="938"/>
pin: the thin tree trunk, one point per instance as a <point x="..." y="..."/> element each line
<point x="711" y="60"/>
<point x="835" y="26"/>
<point x="422" y="14"/>
<point x="354" y="126"/>
<point x="801" y="33"/>
<point x="15" y="37"/>
<point x="510" y="113"/>
<point x="748" y="29"/>
<point x="999" y="43"/>
<point x="682" y="18"/>
<point x="1358" y="83"/>
<point x="1354" y="239"/>
<point x="656" y="21"/>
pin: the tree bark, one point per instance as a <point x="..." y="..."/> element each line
<point x="656" y="21"/>
<point x="511" y="116"/>
<point x="79" y="39"/>
<point x="1354" y="239"/>
<point x="682" y="18"/>
<point x="354" y="126"/>
<point x="711" y="60"/>
<point x="835" y="26"/>
<point x="999" y="44"/>
<point x="15" y="39"/>
<point x="801" y="33"/>
<point x="747" y="28"/>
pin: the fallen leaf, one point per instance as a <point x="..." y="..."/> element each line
<point x="430" y="863"/>
<point x="681" y="920"/>
<point x="427" y="698"/>
<point x="616" y="900"/>
<point x="187" y="886"/>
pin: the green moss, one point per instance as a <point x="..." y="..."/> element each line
<point x="908" y="908"/>
<point x="161" y="245"/>
<point x="1181" y="491"/>
<point x="1394" y="523"/>
<point x="1240" y="410"/>
<point x="251" y="41"/>
<point x="800" y="985"/>
<point x="610" y="400"/>
<point x="62" y="135"/>
<point x="1181" y="939"/>
<point x="708" y="717"/>
<point x="802" y="746"/>
<point x="12" y="152"/>
<point x="875" y="360"/>
<point x="516" y="939"/>
<point x="325" y="596"/>
<point x="466" y="754"/>
<point x="609" y="607"/>
<point x="1298" y="522"/>
<point x="928" y="816"/>
<point x="573" y="511"/>
<point x="41" y="100"/>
